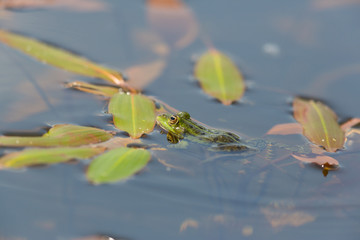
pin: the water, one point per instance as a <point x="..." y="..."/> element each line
<point x="284" y="49"/>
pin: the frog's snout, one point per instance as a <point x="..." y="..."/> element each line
<point x="159" y="118"/>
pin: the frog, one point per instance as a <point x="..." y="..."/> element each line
<point x="180" y="126"/>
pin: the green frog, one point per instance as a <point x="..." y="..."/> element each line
<point x="180" y="126"/>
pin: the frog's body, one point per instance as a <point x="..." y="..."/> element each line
<point x="180" y="126"/>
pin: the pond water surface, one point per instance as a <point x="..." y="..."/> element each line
<point x="284" y="48"/>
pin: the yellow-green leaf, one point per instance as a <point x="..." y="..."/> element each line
<point x="59" y="57"/>
<point x="219" y="77"/>
<point x="117" y="164"/>
<point x="60" y="135"/>
<point x="94" y="89"/>
<point x="319" y="124"/>
<point x="30" y="157"/>
<point x="133" y="113"/>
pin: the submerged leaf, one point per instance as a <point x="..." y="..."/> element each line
<point x="219" y="77"/>
<point x="141" y="75"/>
<point x="79" y="5"/>
<point x="280" y="216"/>
<point x="285" y="129"/>
<point x="117" y="142"/>
<point x="60" y="135"/>
<point x="60" y="58"/>
<point x="133" y="113"/>
<point x="173" y="21"/>
<point x="330" y="4"/>
<point x="319" y="124"/>
<point x="30" y="157"/>
<point x="149" y="41"/>
<point x="188" y="223"/>
<point x="117" y="164"/>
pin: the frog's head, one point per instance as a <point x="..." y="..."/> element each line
<point x="173" y="123"/>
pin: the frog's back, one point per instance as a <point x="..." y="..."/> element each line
<point x="214" y="136"/>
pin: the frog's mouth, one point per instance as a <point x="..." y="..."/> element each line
<point x="161" y="121"/>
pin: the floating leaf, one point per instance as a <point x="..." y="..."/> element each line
<point x="319" y="160"/>
<point x="219" y="77"/>
<point x="319" y="124"/>
<point x="173" y="21"/>
<point x="30" y="157"/>
<point x="133" y="113"/>
<point x="60" y="135"/>
<point x="94" y="89"/>
<point x="117" y="164"/>
<point x="61" y="58"/>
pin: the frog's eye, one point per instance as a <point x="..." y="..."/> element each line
<point x="173" y="119"/>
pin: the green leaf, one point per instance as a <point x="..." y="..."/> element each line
<point x="30" y="157"/>
<point x="60" y="135"/>
<point x="118" y="164"/>
<point x="319" y="124"/>
<point x="59" y="57"/>
<point x="219" y="77"/>
<point x="133" y="113"/>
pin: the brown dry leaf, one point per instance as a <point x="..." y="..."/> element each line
<point x="78" y="5"/>
<point x="188" y="223"/>
<point x="280" y="216"/>
<point x="173" y="21"/>
<point x="106" y="91"/>
<point x="285" y="129"/>
<point x="320" y="160"/>
<point x="142" y="75"/>
<point x="330" y="4"/>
